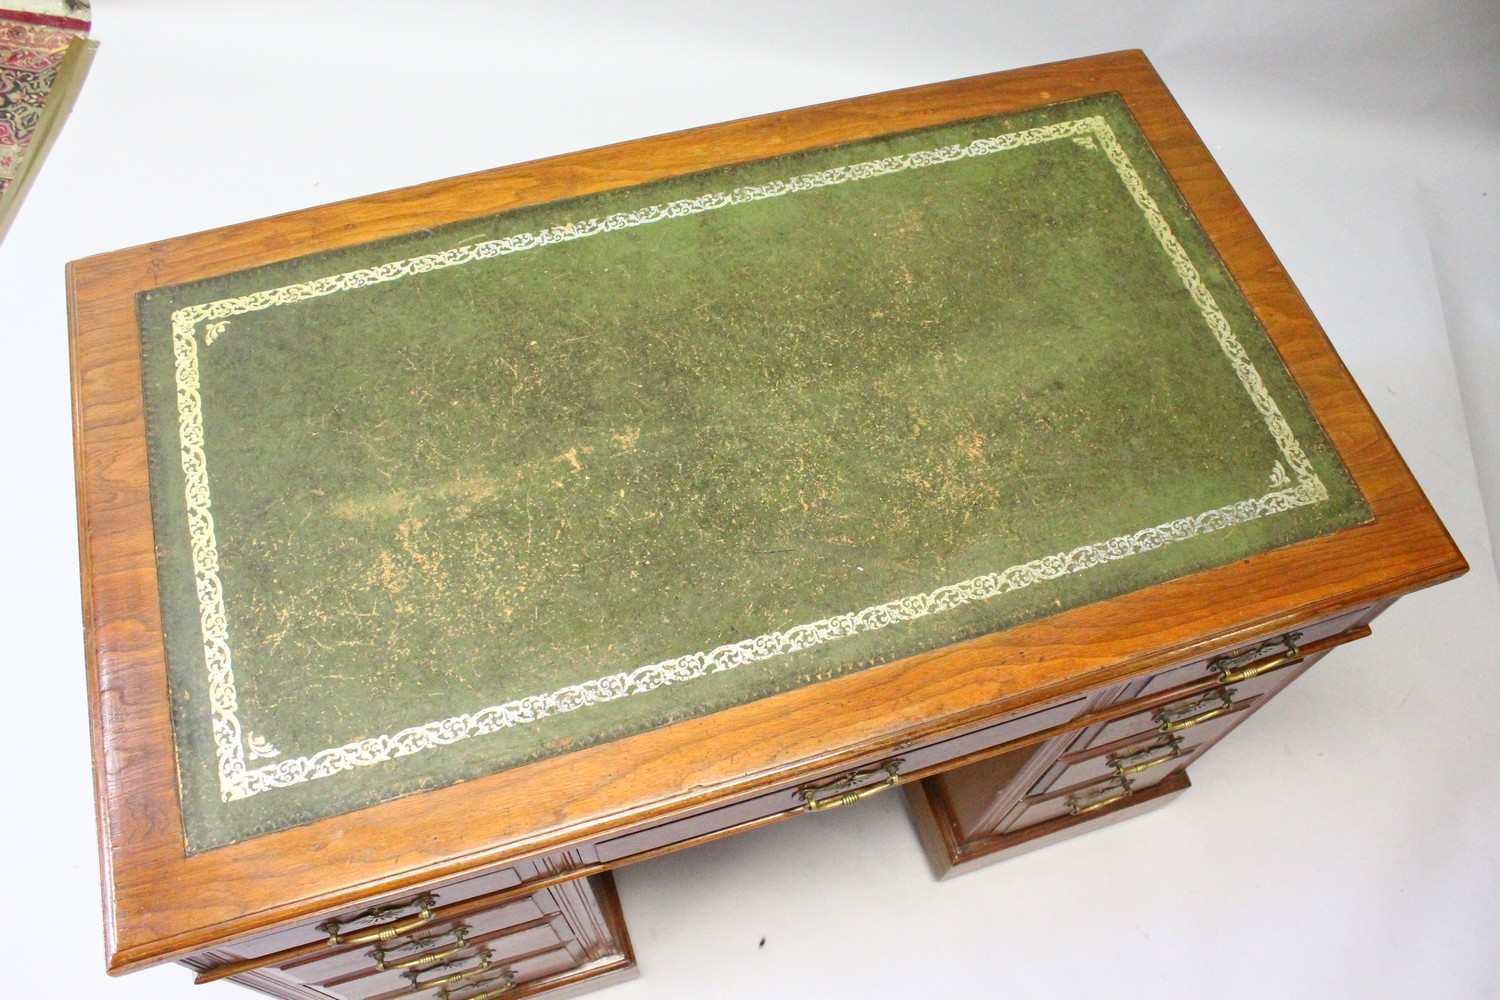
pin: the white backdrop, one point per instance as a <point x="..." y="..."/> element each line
<point x="1342" y="844"/>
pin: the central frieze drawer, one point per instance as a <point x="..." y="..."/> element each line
<point x="810" y="795"/>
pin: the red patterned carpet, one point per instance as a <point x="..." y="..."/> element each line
<point x="31" y="49"/>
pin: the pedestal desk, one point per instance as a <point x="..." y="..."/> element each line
<point x="447" y="548"/>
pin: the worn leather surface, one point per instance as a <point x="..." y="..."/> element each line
<point x="475" y="485"/>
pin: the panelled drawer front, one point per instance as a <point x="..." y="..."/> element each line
<point x="1183" y="716"/>
<point x="497" y="983"/>
<point x="453" y="892"/>
<point x="870" y="776"/>
<point x="505" y="943"/>
<point x="1193" y="709"/>
<point x="1151" y="750"/>
<point x="1088" y="797"/>
<point x="435" y="937"/>
<point x="458" y="975"/>
<point x="482" y="957"/>
<point x="1199" y="670"/>
<point x="1108" y="764"/>
<point x="490" y="976"/>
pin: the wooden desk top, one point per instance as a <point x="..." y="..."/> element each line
<point x="450" y="484"/>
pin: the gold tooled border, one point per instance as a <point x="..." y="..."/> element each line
<point x="237" y="780"/>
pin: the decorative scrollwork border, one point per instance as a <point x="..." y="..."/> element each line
<point x="238" y="781"/>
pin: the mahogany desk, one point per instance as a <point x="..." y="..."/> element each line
<point x="447" y="548"/>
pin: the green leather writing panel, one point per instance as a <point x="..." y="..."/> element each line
<point x="439" y="505"/>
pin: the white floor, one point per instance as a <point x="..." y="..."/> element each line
<point x="1343" y="844"/>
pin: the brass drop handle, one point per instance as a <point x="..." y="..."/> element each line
<point x="1145" y="759"/>
<point x="1241" y="666"/>
<point x="1173" y="720"/>
<point x="1292" y="655"/>
<point x="460" y="934"/>
<point x="841" y="797"/>
<point x="483" y="954"/>
<point x="509" y="977"/>
<point x="1100" y="797"/>
<point x="385" y="932"/>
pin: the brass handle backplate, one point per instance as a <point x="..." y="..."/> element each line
<point x="385" y="932"/>
<point x="841" y="789"/>
<point x="414" y="941"/>
<point x="1178" y="718"/>
<point x="485" y="957"/>
<point x="460" y="934"/>
<point x="1245" y="665"/>
<point x="506" y="979"/>
<point x="1117" y="790"/>
<point x="1146" y="758"/>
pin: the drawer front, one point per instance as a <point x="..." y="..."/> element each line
<point x="1177" y="717"/>
<point x="1194" y="709"/>
<point x="572" y="930"/>
<point x="1088" y="797"/>
<point x="404" y="906"/>
<point x="867" y="778"/>
<point x="1106" y="764"/>
<point x="475" y="965"/>
<point x="1154" y="749"/>
<point x="420" y="946"/>
<point x="1250" y="654"/>
<point x="451" y="955"/>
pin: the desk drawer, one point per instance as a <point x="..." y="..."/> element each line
<point x="402" y="906"/>
<point x="1183" y="716"/>
<point x="1082" y="799"/>
<point x="455" y="955"/>
<point x="1152" y="749"/>
<point x="424" y="946"/>
<point x="1254" y="655"/>
<point x="559" y="936"/>
<point x="866" y="777"/>
<point x="1107" y="764"/>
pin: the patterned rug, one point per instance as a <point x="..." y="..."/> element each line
<point x="32" y="46"/>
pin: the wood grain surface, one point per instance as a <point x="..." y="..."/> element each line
<point x="162" y="904"/>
